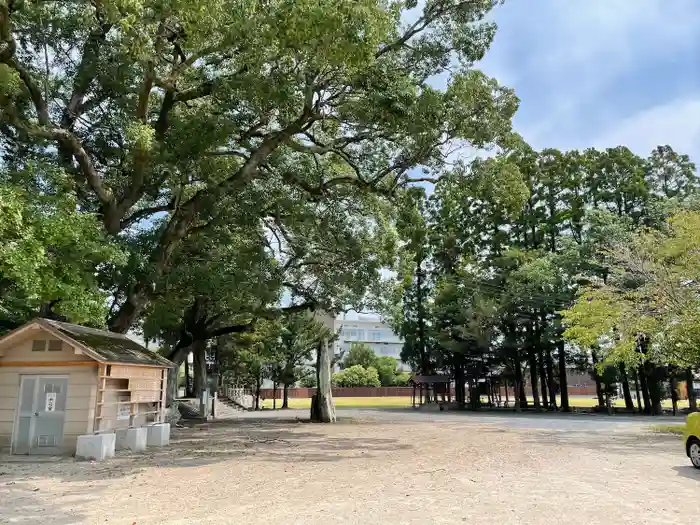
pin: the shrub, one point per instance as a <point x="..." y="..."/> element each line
<point x="308" y="381"/>
<point x="402" y="378"/>
<point x="357" y="376"/>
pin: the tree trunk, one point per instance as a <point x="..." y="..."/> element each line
<point x="674" y="392"/>
<point x="285" y="396"/>
<point x="629" y="404"/>
<point x="543" y="379"/>
<point x="645" y="390"/>
<point x="420" y="311"/>
<point x="130" y="310"/>
<point x="258" y="386"/>
<point x="654" y="388"/>
<point x="637" y="392"/>
<point x="599" y="391"/>
<point x="177" y="357"/>
<point x="533" y="379"/>
<point x="596" y="377"/>
<point x="550" y="379"/>
<point x="322" y="409"/>
<point x="563" y="381"/>
<point x="692" y="398"/>
<point x="200" y="367"/>
<point x="459" y="386"/>
<point x="189" y="382"/>
<point x="474" y="397"/>
<point x="274" y="395"/>
<point x="521" y="401"/>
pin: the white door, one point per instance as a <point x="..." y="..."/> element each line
<point x="40" y="414"/>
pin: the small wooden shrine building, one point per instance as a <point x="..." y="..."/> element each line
<point x="428" y="388"/>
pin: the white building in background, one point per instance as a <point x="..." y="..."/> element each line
<point x="371" y="331"/>
<point x="360" y="329"/>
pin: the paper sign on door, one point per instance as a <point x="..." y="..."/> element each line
<point x="124" y="408"/>
<point x="50" y="402"/>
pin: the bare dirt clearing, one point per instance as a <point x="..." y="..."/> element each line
<point x="261" y="471"/>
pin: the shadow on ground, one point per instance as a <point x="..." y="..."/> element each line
<point x="288" y="441"/>
<point x="688" y="472"/>
<point x="21" y="504"/>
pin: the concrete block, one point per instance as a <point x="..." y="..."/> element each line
<point x="158" y="435"/>
<point x="133" y="439"/>
<point x="95" y="446"/>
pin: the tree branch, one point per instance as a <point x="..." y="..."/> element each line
<point x="7" y="56"/>
<point x="143" y="213"/>
<point x="233" y="329"/>
<point x="430" y="14"/>
<point x="85" y="73"/>
<point x="67" y="139"/>
<point x="418" y="26"/>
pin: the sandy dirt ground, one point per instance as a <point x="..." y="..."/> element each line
<point x="365" y="471"/>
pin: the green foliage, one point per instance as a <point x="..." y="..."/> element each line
<point x="407" y="302"/>
<point x="160" y="113"/>
<point x="650" y="292"/>
<point x="360" y="354"/>
<point x="247" y="358"/>
<point x="504" y="247"/>
<point x="357" y="376"/>
<point x="402" y="379"/>
<point x="308" y="381"/>
<point x="49" y="251"/>
<point x="221" y="278"/>
<point x="387" y="370"/>
<point x="300" y="337"/>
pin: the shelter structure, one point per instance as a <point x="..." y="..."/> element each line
<point x="427" y="385"/>
<point x="59" y="381"/>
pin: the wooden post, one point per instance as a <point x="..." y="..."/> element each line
<point x="163" y="395"/>
<point x="100" y="398"/>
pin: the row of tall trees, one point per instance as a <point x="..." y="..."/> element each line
<point x="193" y="170"/>
<point x="504" y="246"/>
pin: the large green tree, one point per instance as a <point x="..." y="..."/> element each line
<point x="156" y="110"/>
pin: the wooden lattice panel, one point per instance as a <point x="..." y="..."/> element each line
<point x="144" y="384"/>
<point x="134" y="371"/>
<point x="145" y="397"/>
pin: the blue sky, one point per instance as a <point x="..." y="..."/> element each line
<point x="602" y="72"/>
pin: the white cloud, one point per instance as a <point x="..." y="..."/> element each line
<point x="676" y="123"/>
<point x="605" y="37"/>
<point x="571" y="60"/>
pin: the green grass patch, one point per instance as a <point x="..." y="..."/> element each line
<point x="669" y="429"/>
<point x="405" y="402"/>
<point x="348" y="402"/>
